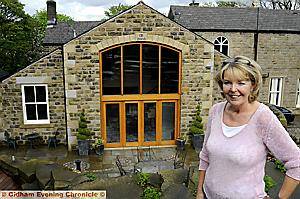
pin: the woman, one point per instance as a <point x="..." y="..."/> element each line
<point x="239" y="133"/>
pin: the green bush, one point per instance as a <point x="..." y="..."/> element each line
<point x="143" y="179"/>
<point x="91" y="176"/>
<point x="280" y="166"/>
<point x="83" y="132"/>
<point x="197" y="125"/>
<point x="269" y="183"/>
<point x="151" y="193"/>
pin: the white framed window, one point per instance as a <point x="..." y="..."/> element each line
<point x="35" y="104"/>
<point x="275" y="91"/>
<point x="298" y="95"/>
<point x="221" y="44"/>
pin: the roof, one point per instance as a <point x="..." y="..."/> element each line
<point x="3" y="75"/>
<point x="235" y="19"/>
<point x="63" y="32"/>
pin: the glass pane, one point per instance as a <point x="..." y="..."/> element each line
<point x="42" y="111"/>
<point x="29" y="93"/>
<point x="40" y="93"/>
<point x="225" y="49"/>
<point x="168" y="120"/>
<point x="111" y="72"/>
<point x="150" y="69"/>
<point x="149" y="121"/>
<point x="31" y="111"/>
<point x="112" y="123"/>
<point x="217" y="47"/>
<point x="169" y="70"/>
<point x="131" y="122"/>
<point x="131" y="67"/>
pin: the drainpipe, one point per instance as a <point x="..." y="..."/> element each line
<point x="256" y="35"/>
<point x="65" y="97"/>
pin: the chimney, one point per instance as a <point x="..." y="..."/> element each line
<point x="255" y="4"/>
<point x="194" y="4"/>
<point x="51" y="12"/>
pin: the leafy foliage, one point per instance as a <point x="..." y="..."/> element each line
<point x="114" y="10"/>
<point x="230" y="4"/>
<point x="20" y="37"/>
<point x="227" y="4"/>
<point x="91" y="176"/>
<point x="197" y="125"/>
<point x="151" y="193"/>
<point x="280" y="4"/>
<point x="269" y="183"/>
<point x="41" y="17"/>
<point x="143" y="179"/>
<point x="83" y="132"/>
<point x="280" y="166"/>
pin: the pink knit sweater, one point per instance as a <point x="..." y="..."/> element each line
<point x="235" y="166"/>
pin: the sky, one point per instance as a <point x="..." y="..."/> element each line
<point x="92" y="10"/>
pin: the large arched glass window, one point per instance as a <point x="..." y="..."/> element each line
<point x="140" y="94"/>
<point x="221" y="44"/>
<point x="140" y="69"/>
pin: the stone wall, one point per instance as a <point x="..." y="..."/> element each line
<point x="50" y="69"/>
<point x="278" y="55"/>
<point x="140" y="24"/>
<point x="240" y="43"/>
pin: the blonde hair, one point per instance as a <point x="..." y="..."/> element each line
<point x="245" y="69"/>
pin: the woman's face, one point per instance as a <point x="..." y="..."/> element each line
<point x="236" y="90"/>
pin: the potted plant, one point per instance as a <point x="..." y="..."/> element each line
<point x="180" y="142"/>
<point x="99" y="146"/>
<point x="83" y="136"/>
<point x="196" y="130"/>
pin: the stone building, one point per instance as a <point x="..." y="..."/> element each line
<point x="271" y="37"/>
<point x="139" y="75"/>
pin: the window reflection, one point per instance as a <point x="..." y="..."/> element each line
<point x="112" y="123"/>
<point x="131" y="60"/>
<point x="149" y="122"/>
<point x="111" y="72"/>
<point x="150" y="69"/>
<point x="131" y="122"/>
<point x="168" y="120"/>
<point x="169" y="70"/>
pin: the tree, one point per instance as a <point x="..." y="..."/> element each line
<point x="19" y="36"/>
<point x="227" y="4"/>
<point x="231" y="4"/>
<point x="41" y="17"/>
<point x="281" y="4"/>
<point x="114" y="10"/>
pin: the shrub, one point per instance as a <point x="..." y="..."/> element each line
<point x="269" y="183"/>
<point x="151" y="193"/>
<point x="197" y="125"/>
<point x="83" y="132"/>
<point x="143" y="179"/>
<point x="280" y="166"/>
<point x="91" y="176"/>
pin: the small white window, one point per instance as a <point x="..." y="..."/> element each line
<point x="221" y="44"/>
<point x="275" y="91"/>
<point x="298" y="95"/>
<point x="35" y="104"/>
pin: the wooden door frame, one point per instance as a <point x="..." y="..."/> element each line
<point x="140" y="99"/>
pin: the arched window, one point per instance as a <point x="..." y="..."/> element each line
<point x="221" y="44"/>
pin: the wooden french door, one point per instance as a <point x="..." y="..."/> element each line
<point x="140" y="123"/>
